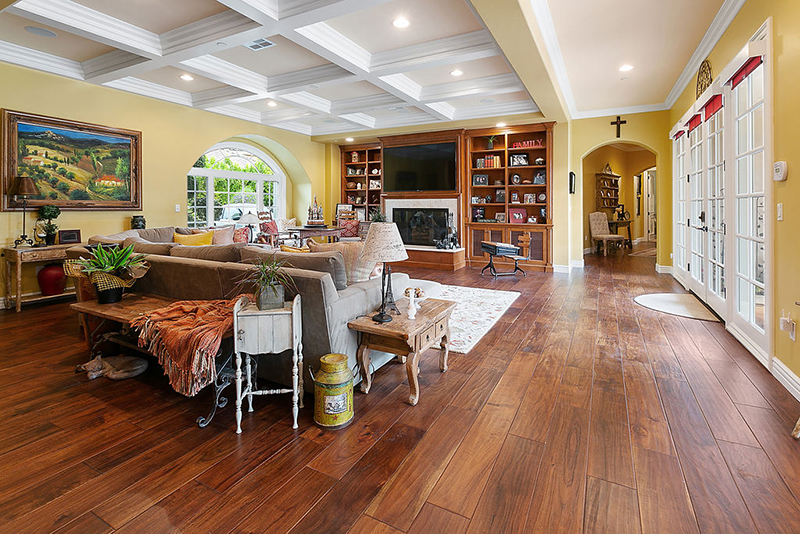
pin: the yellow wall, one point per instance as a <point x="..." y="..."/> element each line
<point x="650" y="130"/>
<point x="786" y="116"/>
<point x="173" y="137"/>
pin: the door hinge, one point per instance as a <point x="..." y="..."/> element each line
<point x="688" y="222"/>
<point x="688" y="178"/>
<point x="689" y="267"/>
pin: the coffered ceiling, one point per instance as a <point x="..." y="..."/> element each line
<point x="331" y="66"/>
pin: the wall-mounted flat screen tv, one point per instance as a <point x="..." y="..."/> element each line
<point x="420" y="167"/>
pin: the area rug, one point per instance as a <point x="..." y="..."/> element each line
<point x="647" y="253"/>
<point x="683" y="304"/>
<point x="477" y="310"/>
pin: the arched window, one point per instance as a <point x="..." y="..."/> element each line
<point x="230" y="180"/>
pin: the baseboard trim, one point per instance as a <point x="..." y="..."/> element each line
<point x="751" y="347"/>
<point x="576" y="264"/>
<point x="565" y="269"/>
<point x="639" y="240"/>
<point x="663" y="269"/>
<point x="786" y="377"/>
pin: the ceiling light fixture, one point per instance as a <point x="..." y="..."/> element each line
<point x="501" y="125"/>
<point x="626" y="68"/>
<point x="272" y="104"/>
<point x="41" y="32"/>
<point x="456" y="72"/>
<point x="348" y="139"/>
<point x="186" y="77"/>
<point x="400" y="22"/>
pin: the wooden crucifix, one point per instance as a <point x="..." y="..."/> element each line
<point x="618" y="123"/>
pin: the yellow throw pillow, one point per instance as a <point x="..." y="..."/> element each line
<point x="194" y="240"/>
<point x="287" y="248"/>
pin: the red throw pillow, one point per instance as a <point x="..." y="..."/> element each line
<point x="349" y="227"/>
<point x="269" y="227"/>
<point x="241" y="235"/>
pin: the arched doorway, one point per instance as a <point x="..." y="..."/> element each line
<point x="633" y="164"/>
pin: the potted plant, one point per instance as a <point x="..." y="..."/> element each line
<point x="269" y="280"/>
<point x="111" y="269"/>
<point x="377" y="215"/>
<point x="47" y="213"/>
<point x="490" y="142"/>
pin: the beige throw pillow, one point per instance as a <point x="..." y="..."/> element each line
<point x="223" y="235"/>
<point x="357" y="270"/>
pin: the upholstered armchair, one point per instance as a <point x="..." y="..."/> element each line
<point x="598" y="226"/>
<point x="348" y="222"/>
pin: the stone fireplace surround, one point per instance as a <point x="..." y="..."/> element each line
<point x="451" y="204"/>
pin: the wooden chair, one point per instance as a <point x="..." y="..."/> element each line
<point x="347" y="220"/>
<point x="268" y="229"/>
<point x="598" y="226"/>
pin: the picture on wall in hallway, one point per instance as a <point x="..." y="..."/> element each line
<point x="74" y="165"/>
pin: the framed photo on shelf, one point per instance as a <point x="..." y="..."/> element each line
<point x="67" y="237"/>
<point x="478" y="213"/>
<point x="500" y="216"/>
<point x="374" y="184"/>
<point x="540" y="178"/>
<point x="532" y="220"/>
<point x="517" y="215"/>
<point x="343" y="207"/>
<point x="500" y="195"/>
<point x="475" y="200"/>
<point x="515" y="197"/>
<point x="518" y="160"/>
<point x="480" y="179"/>
<point x="528" y="198"/>
<point x="361" y="214"/>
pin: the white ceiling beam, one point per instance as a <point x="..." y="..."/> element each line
<point x="111" y="66"/>
<point x="209" y="30"/>
<point x="287" y="114"/>
<point x="303" y="79"/>
<point x="495" y="110"/>
<point x="80" y="20"/>
<point x="154" y="90"/>
<point x="226" y="72"/>
<point x="465" y="47"/>
<point x="360" y="118"/>
<point x="27" y="57"/>
<point x="237" y="112"/>
<point x="221" y="96"/>
<point x="309" y="101"/>
<point x="444" y="108"/>
<point x="498" y="84"/>
<point x="364" y="103"/>
<point x="297" y="127"/>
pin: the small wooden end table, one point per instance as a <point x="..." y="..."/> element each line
<point x="407" y="338"/>
<point x="614" y="226"/>
<point x="21" y="255"/>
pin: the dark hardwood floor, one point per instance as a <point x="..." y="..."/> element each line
<point x="579" y="411"/>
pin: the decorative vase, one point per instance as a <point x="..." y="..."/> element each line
<point x="52" y="280"/>
<point x="138" y="222"/>
<point x="109" y="296"/>
<point x="333" y="392"/>
<point x="412" y="307"/>
<point x="270" y="298"/>
<point x="49" y="239"/>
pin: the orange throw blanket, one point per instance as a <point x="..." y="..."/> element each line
<point x="185" y="337"/>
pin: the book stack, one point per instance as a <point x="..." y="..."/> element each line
<point x="488" y="162"/>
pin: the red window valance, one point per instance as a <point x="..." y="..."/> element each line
<point x="678" y="135"/>
<point x="712" y="106"/>
<point x="694" y="122"/>
<point x="749" y="66"/>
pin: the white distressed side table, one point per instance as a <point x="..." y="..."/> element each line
<point x="267" y="332"/>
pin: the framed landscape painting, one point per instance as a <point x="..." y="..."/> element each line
<point x="75" y="165"/>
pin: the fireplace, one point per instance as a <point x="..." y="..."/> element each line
<point x="421" y="226"/>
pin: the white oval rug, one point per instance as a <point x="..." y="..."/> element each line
<point x="683" y="304"/>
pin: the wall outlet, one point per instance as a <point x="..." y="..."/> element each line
<point x="787" y="324"/>
<point x="780" y="211"/>
<point x="177" y="208"/>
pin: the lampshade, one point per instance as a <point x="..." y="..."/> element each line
<point x="26" y="187"/>
<point x="383" y="243"/>
<point x="248" y="218"/>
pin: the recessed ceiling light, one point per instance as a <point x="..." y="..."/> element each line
<point x="501" y="125"/>
<point x="400" y="22"/>
<point x="456" y="72"/>
<point x="41" y="32"/>
<point x="348" y="139"/>
<point x="626" y="68"/>
<point x="488" y="101"/>
<point x="186" y="77"/>
<point x="272" y="103"/>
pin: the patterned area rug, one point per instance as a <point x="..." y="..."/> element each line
<point x="683" y="304"/>
<point x="648" y="253"/>
<point x="476" y="312"/>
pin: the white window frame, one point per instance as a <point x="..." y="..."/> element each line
<point x="278" y="176"/>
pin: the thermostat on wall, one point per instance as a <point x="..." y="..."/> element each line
<point x="779" y="171"/>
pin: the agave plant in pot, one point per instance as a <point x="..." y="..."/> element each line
<point x="269" y="280"/>
<point x="110" y="269"/>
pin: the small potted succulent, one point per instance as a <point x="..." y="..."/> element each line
<point x="490" y="142"/>
<point x="111" y="269"/>
<point x="377" y="215"/>
<point x="47" y="213"/>
<point x="269" y="279"/>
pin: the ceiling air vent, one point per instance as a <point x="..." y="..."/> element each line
<point x="259" y="44"/>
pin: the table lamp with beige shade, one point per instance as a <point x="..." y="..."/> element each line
<point x="25" y="187"/>
<point x="248" y="220"/>
<point x="384" y="244"/>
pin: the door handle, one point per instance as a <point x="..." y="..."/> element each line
<point x="702" y="216"/>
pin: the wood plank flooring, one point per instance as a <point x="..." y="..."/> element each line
<point x="578" y="411"/>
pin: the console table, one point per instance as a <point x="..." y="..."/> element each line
<point x="303" y="233"/>
<point x="21" y="255"/>
<point x="407" y="338"/>
<point x="614" y="226"/>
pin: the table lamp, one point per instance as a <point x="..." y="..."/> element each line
<point x="249" y="219"/>
<point x="25" y="188"/>
<point x="384" y="244"/>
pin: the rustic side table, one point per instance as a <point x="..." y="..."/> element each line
<point x="21" y="255"/>
<point x="407" y="338"/>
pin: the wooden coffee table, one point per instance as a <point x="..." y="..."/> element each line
<point x="407" y="338"/>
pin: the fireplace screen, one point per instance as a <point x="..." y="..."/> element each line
<point x="421" y="226"/>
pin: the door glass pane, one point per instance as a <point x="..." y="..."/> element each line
<point x="743" y="216"/>
<point x="743" y="263"/>
<point x="757" y="84"/>
<point x="743" y="301"/>
<point x="759" y="267"/>
<point x="742" y="136"/>
<point x="742" y="177"/>
<point x="758" y="210"/>
<point x="758" y="127"/>
<point x="758" y="172"/>
<point x="740" y="95"/>
<point x="758" y="307"/>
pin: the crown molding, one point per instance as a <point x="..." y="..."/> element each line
<point x="630" y="110"/>
<point x="465" y="47"/>
<point x="27" y="57"/>
<point x="362" y="119"/>
<point x="154" y="90"/>
<point x="228" y="73"/>
<point x="297" y="127"/>
<point x="208" y="31"/>
<point x="301" y="79"/>
<point x="365" y="103"/>
<point x="287" y="114"/>
<point x="310" y="101"/>
<point x="111" y="63"/>
<point x="237" y="112"/>
<point x="544" y="20"/>
<point x="404" y="84"/>
<point x="336" y="43"/>
<point x="85" y="22"/>
<point x="498" y="84"/>
<point x="443" y="108"/>
<point x="495" y="110"/>
<point x="221" y="96"/>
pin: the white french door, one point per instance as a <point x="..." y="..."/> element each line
<point x="679" y="259"/>
<point x="696" y="219"/>
<point x="749" y="169"/>
<point x="650" y="196"/>
<point x="716" y="229"/>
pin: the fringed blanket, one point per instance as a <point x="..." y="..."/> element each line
<point x="185" y="337"/>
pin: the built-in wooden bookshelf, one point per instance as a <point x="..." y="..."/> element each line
<point x="508" y="191"/>
<point x="362" y="177"/>
<point x="606" y="191"/>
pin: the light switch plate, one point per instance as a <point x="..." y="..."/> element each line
<point x="177" y="208"/>
<point x="779" y="211"/>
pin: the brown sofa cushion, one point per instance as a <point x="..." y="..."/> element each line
<point x="181" y="278"/>
<point x="325" y="262"/>
<point x="157" y="235"/>
<point x="143" y="246"/>
<point x="225" y="253"/>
